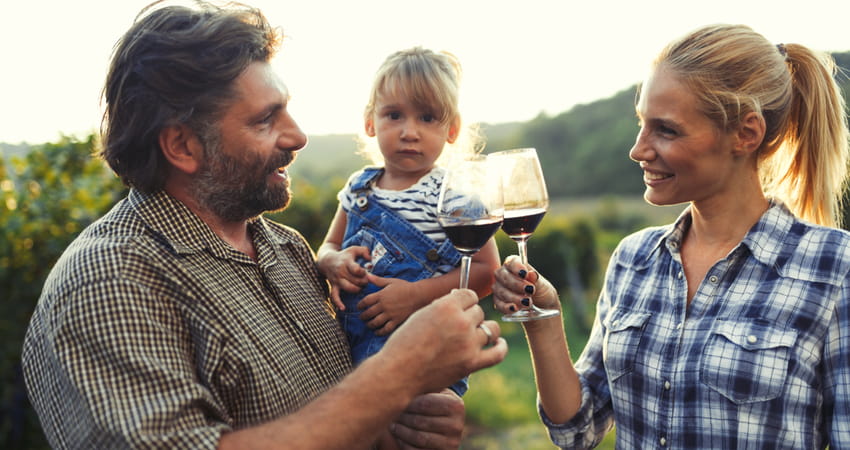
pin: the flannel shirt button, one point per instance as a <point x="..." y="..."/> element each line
<point x="667" y="385"/>
<point x="662" y="441"/>
<point x="713" y="279"/>
<point x="752" y="339"/>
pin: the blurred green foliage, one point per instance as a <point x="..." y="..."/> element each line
<point x="46" y="198"/>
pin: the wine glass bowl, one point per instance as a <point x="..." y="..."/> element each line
<point x="470" y="208"/>
<point x="526" y="201"/>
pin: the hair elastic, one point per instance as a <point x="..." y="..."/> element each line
<point x="782" y="51"/>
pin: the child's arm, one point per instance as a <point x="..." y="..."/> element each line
<point x="340" y="266"/>
<point x="386" y="309"/>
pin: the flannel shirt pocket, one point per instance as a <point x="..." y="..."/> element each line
<point x="747" y="362"/>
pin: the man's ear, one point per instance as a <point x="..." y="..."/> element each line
<point x="181" y="147"/>
<point x="750" y="133"/>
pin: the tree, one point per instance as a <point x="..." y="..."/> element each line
<point x="46" y="199"/>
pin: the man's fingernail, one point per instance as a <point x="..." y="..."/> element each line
<point x="526" y="302"/>
<point x="529" y="289"/>
<point x="512" y="308"/>
<point x="522" y="273"/>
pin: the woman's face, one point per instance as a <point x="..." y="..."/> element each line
<point x="685" y="157"/>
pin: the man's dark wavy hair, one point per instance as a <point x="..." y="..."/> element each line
<point x="175" y="65"/>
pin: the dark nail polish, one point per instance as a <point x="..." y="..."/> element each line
<point x="512" y="308"/>
<point x="529" y="289"/>
<point x="522" y="274"/>
<point x="526" y="302"/>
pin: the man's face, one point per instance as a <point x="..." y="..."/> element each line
<point x="244" y="170"/>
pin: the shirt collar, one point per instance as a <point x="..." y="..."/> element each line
<point x="186" y="233"/>
<point x="763" y="239"/>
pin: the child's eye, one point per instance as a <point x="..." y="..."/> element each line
<point x="394" y="115"/>
<point x="428" y="118"/>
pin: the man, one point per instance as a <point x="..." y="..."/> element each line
<point x="182" y="318"/>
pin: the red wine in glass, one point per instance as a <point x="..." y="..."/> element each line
<point x="525" y="200"/>
<point x="521" y="223"/>
<point x="470" y="208"/>
<point x="469" y="237"/>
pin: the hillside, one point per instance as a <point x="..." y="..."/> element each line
<point x="584" y="151"/>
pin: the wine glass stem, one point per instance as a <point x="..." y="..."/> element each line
<point x="464" y="271"/>
<point x="523" y="254"/>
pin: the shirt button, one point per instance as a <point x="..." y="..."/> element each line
<point x="615" y="323"/>
<point x="681" y="275"/>
<point x="679" y="326"/>
<point x="663" y="441"/>
<point x="667" y="385"/>
<point x="752" y="339"/>
<point x="713" y="279"/>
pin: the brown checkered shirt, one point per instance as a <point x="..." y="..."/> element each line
<point x="153" y="332"/>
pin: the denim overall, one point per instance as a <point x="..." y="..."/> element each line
<point x="398" y="249"/>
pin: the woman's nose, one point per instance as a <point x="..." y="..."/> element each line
<point x="641" y="150"/>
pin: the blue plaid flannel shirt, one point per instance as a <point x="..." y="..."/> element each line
<point x="761" y="359"/>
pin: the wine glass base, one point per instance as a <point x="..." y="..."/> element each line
<point x="533" y="313"/>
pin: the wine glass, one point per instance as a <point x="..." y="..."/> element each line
<point x="526" y="201"/>
<point x="470" y="208"/>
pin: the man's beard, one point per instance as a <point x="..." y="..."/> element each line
<point x="234" y="190"/>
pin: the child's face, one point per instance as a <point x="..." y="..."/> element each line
<point x="411" y="139"/>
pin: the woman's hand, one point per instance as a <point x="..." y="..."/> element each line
<point x="518" y="285"/>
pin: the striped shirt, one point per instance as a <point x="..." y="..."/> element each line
<point x="760" y="359"/>
<point x="416" y="204"/>
<point x="153" y="332"/>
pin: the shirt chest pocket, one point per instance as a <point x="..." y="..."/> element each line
<point x="622" y="342"/>
<point x="747" y="362"/>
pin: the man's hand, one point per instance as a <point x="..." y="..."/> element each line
<point x="443" y="342"/>
<point x="433" y="421"/>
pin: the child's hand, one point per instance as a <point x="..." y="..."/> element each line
<point x="388" y="308"/>
<point x="343" y="272"/>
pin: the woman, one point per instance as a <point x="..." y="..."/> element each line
<point x="728" y="328"/>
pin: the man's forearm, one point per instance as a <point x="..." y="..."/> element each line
<point x="349" y="415"/>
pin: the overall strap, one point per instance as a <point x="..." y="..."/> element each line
<point x="364" y="181"/>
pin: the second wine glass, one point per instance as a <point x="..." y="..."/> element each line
<point x="470" y="208"/>
<point x="526" y="201"/>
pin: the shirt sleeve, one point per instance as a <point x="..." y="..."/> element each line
<point x="837" y="372"/>
<point x="111" y="367"/>
<point x="345" y="195"/>
<point x="595" y="417"/>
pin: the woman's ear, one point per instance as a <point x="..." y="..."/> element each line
<point x="750" y="133"/>
<point x="181" y="147"/>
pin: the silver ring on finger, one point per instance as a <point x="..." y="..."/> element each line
<point x="490" y="339"/>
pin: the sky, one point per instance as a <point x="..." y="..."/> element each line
<point x="520" y="58"/>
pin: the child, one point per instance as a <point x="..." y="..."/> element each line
<point x="385" y="255"/>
